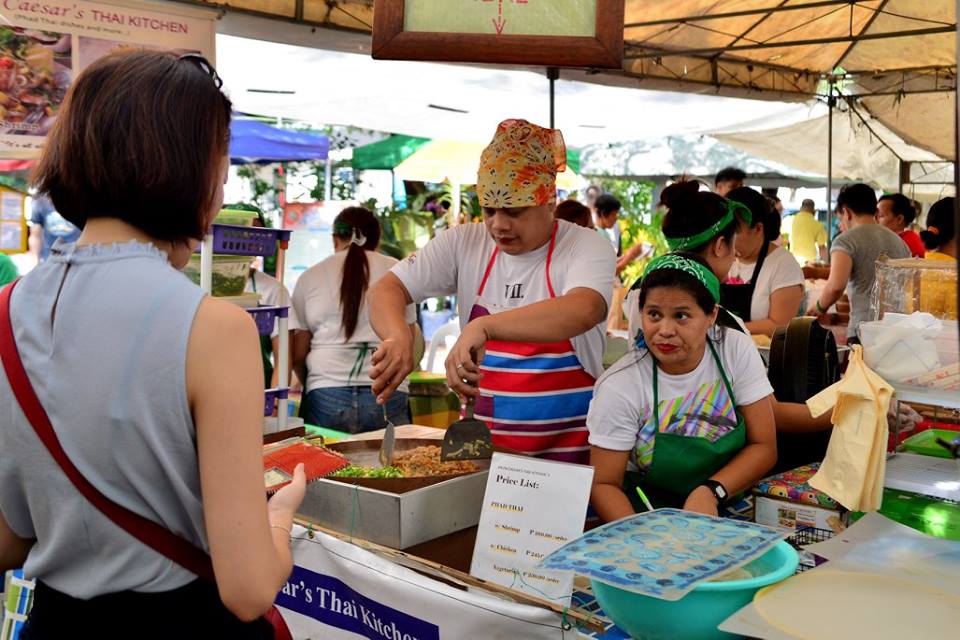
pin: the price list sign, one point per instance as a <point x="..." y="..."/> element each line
<point x="531" y="507"/>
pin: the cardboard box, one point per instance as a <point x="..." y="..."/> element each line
<point x="787" y="501"/>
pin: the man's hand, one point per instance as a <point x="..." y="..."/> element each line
<point x="392" y="363"/>
<point x="463" y="361"/>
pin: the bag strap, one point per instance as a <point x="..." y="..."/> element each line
<point x="150" y="533"/>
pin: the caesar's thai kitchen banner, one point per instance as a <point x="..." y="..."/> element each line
<point x="338" y="591"/>
<point x="44" y="44"/>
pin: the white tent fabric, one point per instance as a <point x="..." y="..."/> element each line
<point x="863" y="150"/>
<point x="456" y="102"/>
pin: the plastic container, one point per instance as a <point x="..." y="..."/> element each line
<point x="236" y="217"/>
<point x="265" y="317"/>
<point x="913" y="357"/>
<point x="248" y="241"/>
<point x="925" y="443"/>
<point x="270" y="399"/>
<point x="229" y="277"/>
<point x="697" y="615"/>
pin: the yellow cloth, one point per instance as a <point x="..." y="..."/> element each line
<point x="806" y="234"/>
<point x="852" y="472"/>
<point x="519" y="167"/>
<point x="936" y="255"/>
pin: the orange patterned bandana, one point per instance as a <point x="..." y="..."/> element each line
<point x="519" y="167"/>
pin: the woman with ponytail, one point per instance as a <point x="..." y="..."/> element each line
<point x="332" y="351"/>
<point x="940" y="236"/>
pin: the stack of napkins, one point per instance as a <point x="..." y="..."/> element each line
<point x="853" y="471"/>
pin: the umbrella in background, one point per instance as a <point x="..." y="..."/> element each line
<point x="458" y="163"/>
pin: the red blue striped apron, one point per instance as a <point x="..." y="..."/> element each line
<point x="534" y="396"/>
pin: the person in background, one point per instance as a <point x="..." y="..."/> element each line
<point x="333" y="349"/>
<point x="807" y="235"/>
<point x="8" y="270"/>
<point x="608" y="214"/>
<point x="590" y="196"/>
<point x="853" y="255"/>
<point x="154" y="389"/>
<point x="940" y="236"/>
<point x="688" y="415"/>
<point x="533" y="293"/>
<point x="896" y="212"/>
<point x="729" y="179"/>
<point x="47" y="226"/>
<point x="765" y="283"/>
<point x="272" y="294"/>
<point x="575" y="212"/>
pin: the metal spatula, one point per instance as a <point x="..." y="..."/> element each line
<point x="466" y="439"/>
<point x="389" y="438"/>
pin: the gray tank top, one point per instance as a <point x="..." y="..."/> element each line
<point x="102" y="331"/>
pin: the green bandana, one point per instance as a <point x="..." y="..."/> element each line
<point x="694" y="268"/>
<point x="708" y="234"/>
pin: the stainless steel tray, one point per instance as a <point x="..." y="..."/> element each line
<point x="396" y="520"/>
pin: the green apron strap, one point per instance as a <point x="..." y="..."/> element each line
<point x="357" y="368"/>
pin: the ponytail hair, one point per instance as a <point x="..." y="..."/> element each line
<point x="941" y="224"/>
<point x="359" y="227"/>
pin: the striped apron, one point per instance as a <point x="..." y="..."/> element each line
<point x="534" y="396"/>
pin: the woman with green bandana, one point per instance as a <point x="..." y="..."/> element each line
<point x="332" y="352"/>
<point x="687" y="416"/>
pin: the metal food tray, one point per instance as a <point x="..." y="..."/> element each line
<point x="395" y="512"/>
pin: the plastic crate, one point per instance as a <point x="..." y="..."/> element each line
<point x="248" y="241"/>
<point x="806" y="536"/>
<point x="270" y="399"/>
<point x="265" y="316"/>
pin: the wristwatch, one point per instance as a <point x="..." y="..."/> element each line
<point x="718" y="490"/>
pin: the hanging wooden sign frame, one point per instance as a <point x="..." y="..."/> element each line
<point x="391" y="41"/>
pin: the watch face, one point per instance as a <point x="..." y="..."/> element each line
<point x="721" y="492"/>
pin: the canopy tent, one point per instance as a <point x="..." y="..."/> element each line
<point x="660" y="160"/>
<point x="387" y="153"/>
<point x="253" y="142"/>
<point x="897" y="57"/>
<point x="864" y="150"/>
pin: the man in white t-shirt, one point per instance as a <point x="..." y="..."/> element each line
<point x="533" y="295"/>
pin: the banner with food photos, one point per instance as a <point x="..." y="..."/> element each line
<point x="44" y="44"/>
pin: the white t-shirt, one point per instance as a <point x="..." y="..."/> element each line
<point x="691" y="404"/>
<point x="780" y="270"/>
<point x="455" y="261"/>
<point x="272" y="294"/>
<point x="316" y="299"/>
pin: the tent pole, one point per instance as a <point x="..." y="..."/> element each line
<point x="552" y="74"/>
<point x="831" y="101"/>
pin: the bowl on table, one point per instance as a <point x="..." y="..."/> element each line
<point x="696" y="615"/>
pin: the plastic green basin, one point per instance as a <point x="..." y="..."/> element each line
<point x="696" y="615"/>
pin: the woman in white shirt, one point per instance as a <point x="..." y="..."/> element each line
<point x="688" y="415"/>
<point x="332" y="351"/>
<point x="765" y="284"/>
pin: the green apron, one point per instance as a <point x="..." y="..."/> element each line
<point x="681" y="463"/>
